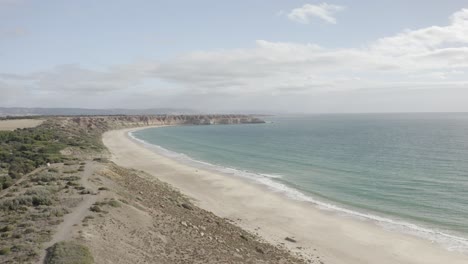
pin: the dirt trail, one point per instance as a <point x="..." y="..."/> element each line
<point x="65" y="230"/>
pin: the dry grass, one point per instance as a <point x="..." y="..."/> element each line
<point x="19" y="123"/>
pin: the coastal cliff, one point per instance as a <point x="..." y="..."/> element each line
<point x="154" y="120"/>
<point x="94" y="211"/>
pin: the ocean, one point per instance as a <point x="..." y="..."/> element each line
<point x="405" y="172"/>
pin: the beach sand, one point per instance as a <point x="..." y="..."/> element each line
<point x="19" y="123"/>
<point x="335" y="238"/>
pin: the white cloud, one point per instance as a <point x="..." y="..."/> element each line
<point x="273" y="66"/>
<point x="429" y="58"/>
<point x="322" y="11"/>
<point x="428" y="39"/>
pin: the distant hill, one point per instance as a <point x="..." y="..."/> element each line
<point x="23" y="111"/>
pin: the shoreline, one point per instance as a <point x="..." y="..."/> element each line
<point x="337" y="239"/>
<point x="451" y="241"/>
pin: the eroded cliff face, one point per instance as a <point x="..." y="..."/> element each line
<point x="153" y="120"/>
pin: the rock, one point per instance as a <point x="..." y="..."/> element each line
<point x="244" y="237"/>
<point x="260" y="250"/>
<point x="290" y="239"/>
<point x="186" y="206"/>
<point x="184" y="223"/>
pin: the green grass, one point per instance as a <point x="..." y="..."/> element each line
<point x="68" y="252"/>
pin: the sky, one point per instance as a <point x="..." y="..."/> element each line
<point x="236" y="56"/>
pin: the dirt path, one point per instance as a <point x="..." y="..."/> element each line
<point x="65" y="230"/>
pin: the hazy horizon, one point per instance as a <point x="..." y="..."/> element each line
<point x="293" y="57"/>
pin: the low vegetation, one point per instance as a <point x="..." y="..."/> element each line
<point x="30" y="212"/>
<point x="32" y="208"/>
<point x="68" y="252"/>
<point x="23" y="150"/>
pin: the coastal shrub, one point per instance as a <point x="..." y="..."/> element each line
<point x="53" y="170"/>
<point x="29" y="230"/>
<point x="113" y="203"/>
<point x="41" y="200"/>
<point x="16" y="203"/>
<point x="103" y="160"/>
<point x="95" y="208"/>
<point x="88" y="217"/>
<point x="58" y="212"/>
<point x="5" y="181"/>
<point x="7" y="228"/>
<point x="36" y="197"/>
<point x="41" y="191"/>
<point x="23" y="150"/>
<point x="5" y="251"/>
<point x="85" y="191"/>
<point x="72" y="183"/>
<point x="68" y="252"/>
<point x="44" y="178"/>
<point x="70" y="178"/>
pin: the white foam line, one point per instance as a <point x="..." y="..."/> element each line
<point x="451" y="242"/>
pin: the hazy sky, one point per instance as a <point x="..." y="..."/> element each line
<point x="256" y="55"/>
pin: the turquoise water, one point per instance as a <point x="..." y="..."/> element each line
<point x="406" y="171"/>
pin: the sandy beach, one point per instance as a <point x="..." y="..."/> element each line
<point x="335" y="238"/>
